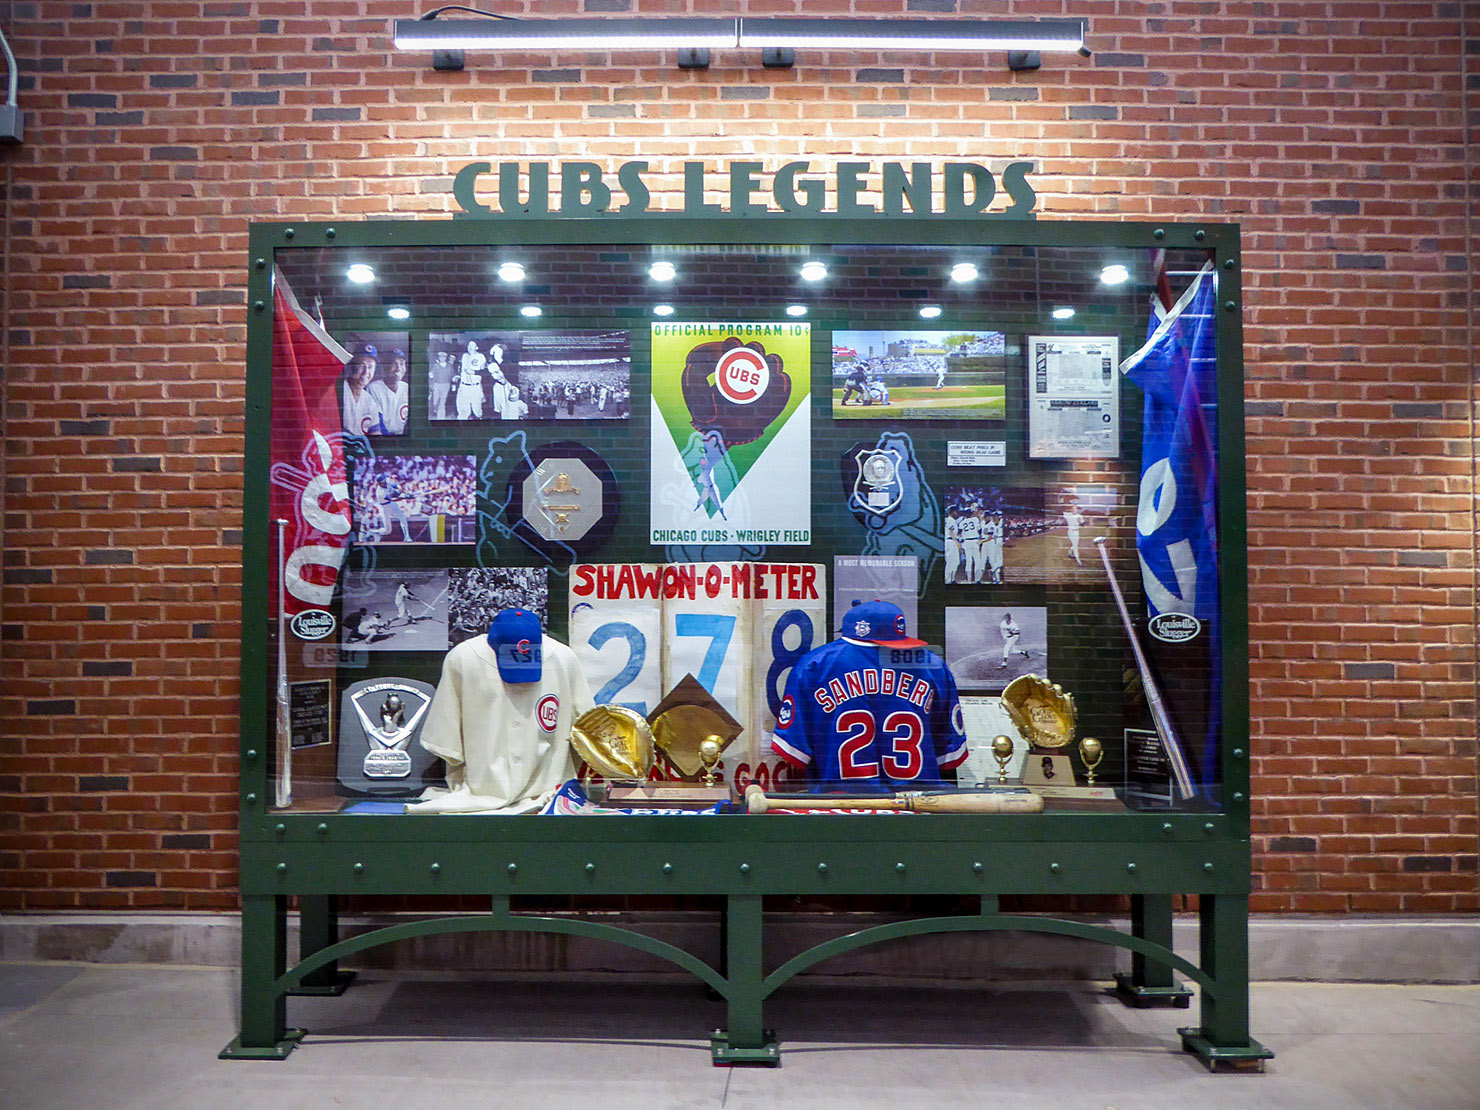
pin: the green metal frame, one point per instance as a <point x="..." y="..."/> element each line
<point x="1150" y="857"/>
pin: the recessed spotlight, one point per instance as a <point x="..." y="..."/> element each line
<point x="964" y="271"/>
<point x="813" y="271"/>
<point x="796" y="310"/>
<point x="360" y="274"/>
<point x="662" y="271"/>
<point x="930" y="311"/>
<point x="510" y="271"/>
<point x="531" y="310"/>
<point x="1114" y="274"/>
<point x="1064" y="313"/>
<point x="662" y="310"/>
<point x="397" y="312"/>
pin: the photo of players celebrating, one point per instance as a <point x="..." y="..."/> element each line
<point x="477" y="593"/>
<point x="989" y="646"/>
<point x="394" y="610"/>
<point x="919" y="375"/>
<point x="1076" y="515"/>
<point x="529" y="375"/>
<point x="415" y="499"/>
<point x="994" y="535"/>
<point x="375" y="397"/>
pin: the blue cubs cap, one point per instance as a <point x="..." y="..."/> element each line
<point x="515" y="639"/>
<point x="880" y="623"/>
<point x="366" y="350"/>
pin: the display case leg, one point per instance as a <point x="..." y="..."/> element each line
<point x="1151" y="983"/>
<point x="318" y="928"/>
<point x="744" y="1042"/>
<point x="1223" y="1038"/>
<point x="264" y="1009"/>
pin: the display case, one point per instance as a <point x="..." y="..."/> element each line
<point x="690" y="448"/>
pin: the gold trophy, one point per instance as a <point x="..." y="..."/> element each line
<point x="709" y="750"/>
<point x="1002" y="753"/>
<point x="1045" y="714"/>
<point x="1091" y="751"/>
<point x="614" y="742"/>
<point x="691" y="731"/>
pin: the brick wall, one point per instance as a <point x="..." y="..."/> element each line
<point x="1334" y="132"/>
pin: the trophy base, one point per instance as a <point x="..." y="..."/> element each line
<point x="678" y="795"/>
<point x="1078" y="793"/>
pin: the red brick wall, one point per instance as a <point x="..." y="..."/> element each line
<point x="1334" y="132"/>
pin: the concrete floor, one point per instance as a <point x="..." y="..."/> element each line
<point x="146" y="1036"/>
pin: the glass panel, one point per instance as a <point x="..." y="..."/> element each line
<point x="536" y="426"/>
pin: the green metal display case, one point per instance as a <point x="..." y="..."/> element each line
<point x="320" y="856"/>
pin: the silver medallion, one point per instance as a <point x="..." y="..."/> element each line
<point x="877" y="489"/>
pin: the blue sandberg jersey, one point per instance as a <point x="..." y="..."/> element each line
<point x="867" y="719"/>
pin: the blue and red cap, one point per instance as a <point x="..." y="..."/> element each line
<point x="880" y="623"/>
<point x="515" y="638"/>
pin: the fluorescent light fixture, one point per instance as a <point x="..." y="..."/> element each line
<point x="531" y="310"/>
<point x="662" y="310"/>
<point x="1114" y="274"/>
<point x="930" y="311"/>
<point x="360" y="274"/>
<point x="398" y="312"/>
<point x="796" y="310"/>
<point x="662" y="271"/>
<point x="813" y="271"/>
<point x="510" y="271"/>
<point x="1065" y="313"/>
<point x="1046" y="35"/>
<point x="963" y="272"/>
<point x="566" y="34"/>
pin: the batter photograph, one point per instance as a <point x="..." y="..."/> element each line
<point x="994" y="535"/>
<point x="478" y="593"/>
<point x="529" y="375"/>
<point x="415" y="499"/>
<point x="919" y="375"/>
<point x="1075" y="516"/>
<point x="394" y="610"/>
<point x="988" y="646"/>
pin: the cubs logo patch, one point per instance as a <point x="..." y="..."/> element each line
<point x="523" y="651"/>
<point x="899" y="624"/>
<point x="861" y="629"/>
<point x="958" y="719"/>
<point x="785" y="714"/>
<point x="547" y="712"/>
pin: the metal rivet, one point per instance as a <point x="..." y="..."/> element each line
<point x="977" y="867"/>
<point x="289" y="233"/>
<point x="359" y="867"/>
<point x="1207" y="867"/>
<point x="322" y="829"/>
<point x="1131" y="867"/>
<point x="280" y="828"/>
<point x="251" y="799"/>
<point x="745" y="869"/>
<point x="282" y="868"/>
<point x="1208" y="827"/>
<point x="259" y="306"/>
<point x="1159" y="233"/>
<point x="1238" y="753"/>
<point x="261" y="263"/>
<point x="899" y="867"/>
<point x="1230" y="263"/>
<point x="590" y="869"/>
<point x="822" y="867"/>
<point x="513" y="869"/>
<point x="1054" y="868"/>
<point x="251" y="753"/>
<point x="1238" y="795"/>
<point x="1166" y="826"/>
<point x="1199" y="235"/>
<point x="1229" y="306"/>
<point x="329" y="233"/>
<point x="668" y="869"/>
<point x="436" y="867"/>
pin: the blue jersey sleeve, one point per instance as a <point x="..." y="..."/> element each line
<point x="950" y="726"/>
<point x="790" y="738"/>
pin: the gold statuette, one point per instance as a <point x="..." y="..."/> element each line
<point x="1002" y="753"/>
<point x="1091" y="751"/>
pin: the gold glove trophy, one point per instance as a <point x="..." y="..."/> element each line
<point x="690" y="731"/>
<point x="1044" y="713"/>
<point x="614" y="742"/>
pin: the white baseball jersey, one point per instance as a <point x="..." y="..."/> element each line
<point x="507" y="745"/>
<point x="971" y="529"/>
<point x="472" y="369"/>
<point x="361" y="414"/>
<point x="392" y="404"/>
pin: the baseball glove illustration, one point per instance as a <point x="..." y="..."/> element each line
<point x="1043" y="711"/>
<point x="734" y="388"/>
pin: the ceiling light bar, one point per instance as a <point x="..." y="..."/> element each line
<point x="566" y="34"/>
<point x="1048" y="35"/>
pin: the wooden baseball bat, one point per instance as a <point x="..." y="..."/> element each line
<point x="1159" y="717"/>
<point x="758" y="801"/>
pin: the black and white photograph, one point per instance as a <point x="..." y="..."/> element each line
<point x="478" y="593"/>
<point x="994" y="535"/>
<point x="394" y="610"/>
<point x="376" y="399"/>
<point x="529" y="375"/>
<point x="1076" y="515"/>
<point x="415" y="499"/>
<point x="988" y="646"/>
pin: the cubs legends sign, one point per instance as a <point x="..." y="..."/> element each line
<point x="963" y="189"/>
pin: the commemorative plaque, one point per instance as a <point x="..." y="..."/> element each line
<point x="379" y="722"/>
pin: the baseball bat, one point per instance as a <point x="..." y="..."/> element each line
<point x="758" y="801"/>
<point x="1159" y="717"/>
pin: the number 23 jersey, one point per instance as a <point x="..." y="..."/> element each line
<point x="864" y="718"/>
